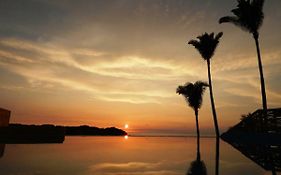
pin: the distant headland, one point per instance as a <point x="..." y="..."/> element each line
<point x="46" y="133"/>
<point x="83" y="130"/>
<point x="86" y="130"/>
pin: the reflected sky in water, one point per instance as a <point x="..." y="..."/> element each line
<point x="120" y="156"/>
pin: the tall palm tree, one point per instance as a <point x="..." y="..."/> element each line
<point x="193" y="95"/>
<point x="206" y="46"/>
<point x="249" y="17"/>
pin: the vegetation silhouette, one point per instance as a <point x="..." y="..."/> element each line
<point x="249" y="17"/>
<point x="20" y="133"/>
<point x="93" y="131"/>
<point x="206" y="46"/>
<point x="249" y="129"/>
<point x="193" y="95"/>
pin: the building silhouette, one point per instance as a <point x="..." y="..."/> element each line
<point x="4" y="117"/>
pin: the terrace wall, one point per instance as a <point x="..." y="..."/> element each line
<point x="4" y="117"/>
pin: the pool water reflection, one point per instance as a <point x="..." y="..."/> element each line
<point x="121" y="156"/>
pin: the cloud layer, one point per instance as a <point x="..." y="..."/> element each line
<point x="126" y="58"/>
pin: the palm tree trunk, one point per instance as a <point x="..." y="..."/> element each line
<point x="217" y="155"/>
<point x="212" y="100"/>
<point x="263" y="93"/>
<point x="198" y="135"/>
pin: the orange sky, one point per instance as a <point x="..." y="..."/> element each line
<point x="107" y="63"/>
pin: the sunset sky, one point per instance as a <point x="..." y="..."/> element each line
<point x="117" y="62"/>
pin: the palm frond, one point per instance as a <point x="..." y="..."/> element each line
<point x="211" y="35"/>
<point x="206" y="44"/>
<point x="231" y="19"/>
<point x="258" y="4"/>
<point x="193" y="93"/>
<point x="218" y="36"/>
<point x="201" y="84"/>
<point x="195" y="43"/>
<point x="248" y="15"/>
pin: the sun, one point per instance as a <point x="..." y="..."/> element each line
<point x="126" y="126"/>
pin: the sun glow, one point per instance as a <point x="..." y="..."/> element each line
<point x="126" y="137"/>
<point x="126" y="126"/>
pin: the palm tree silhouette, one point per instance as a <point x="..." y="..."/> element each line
<point x="249" y="17"/>
<point x="197" y="167"/>
<point x="193" y="95"/>
<point x="206" y="46"/>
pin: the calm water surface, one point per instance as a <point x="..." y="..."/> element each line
<point x="120" y="156"/>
